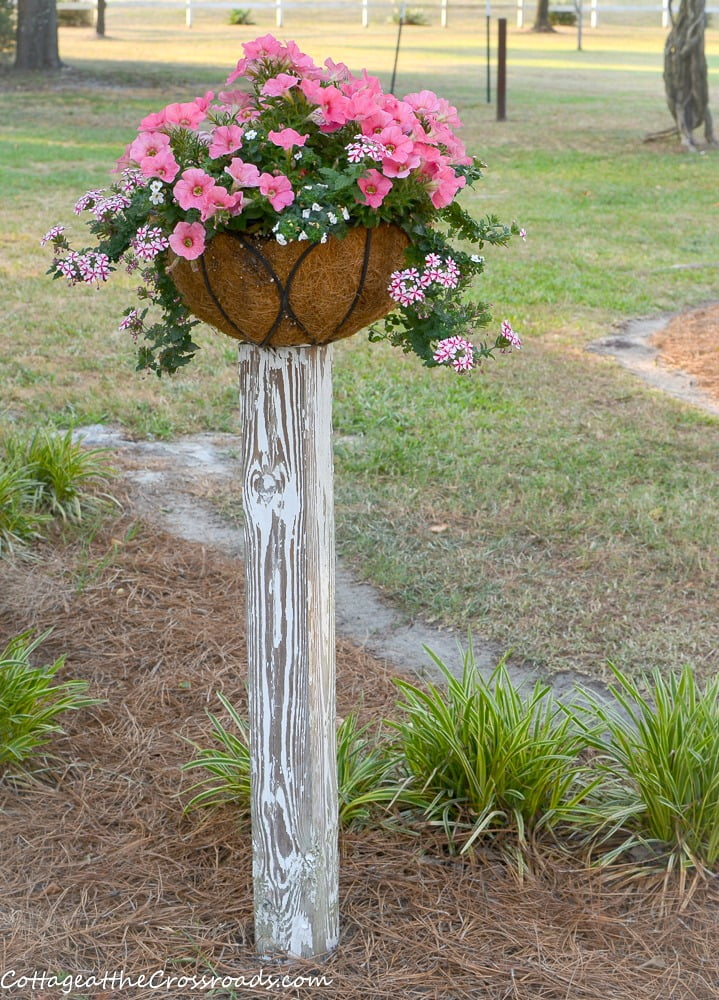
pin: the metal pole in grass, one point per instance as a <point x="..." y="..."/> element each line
<point x="399" y="39"/>
<point x="488" y="10"/>
<point x="286" y="420"/>
<point x="502" y="71"/>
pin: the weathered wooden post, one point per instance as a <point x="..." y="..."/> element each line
<point x="287" y="303"/>
<point x="286" y="418"/>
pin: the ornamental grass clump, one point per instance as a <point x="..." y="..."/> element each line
<point x="363" y="769"/>
<point x="485" y="758"/>
<point x="20" y="520"/>
<point x="31" y="701"/>
<point x="63" y="478"/>
<point x="293" y="153"/>
<point x="658" y="757"/>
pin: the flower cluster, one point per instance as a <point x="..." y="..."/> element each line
<point x="464" y="356"/>
<point x="291" y="151"/>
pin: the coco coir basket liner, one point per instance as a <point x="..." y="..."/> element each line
<point x="256" y="290"/>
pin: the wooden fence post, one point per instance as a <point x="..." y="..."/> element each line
<point x="502" y="70"/>
<point x="286" y="425"/>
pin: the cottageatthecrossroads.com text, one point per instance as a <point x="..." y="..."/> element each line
<point x="159" y="980"/>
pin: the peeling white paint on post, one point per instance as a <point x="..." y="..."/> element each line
<point x="286" y="418"/>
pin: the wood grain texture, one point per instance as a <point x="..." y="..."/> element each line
<point x="286" y="415"/>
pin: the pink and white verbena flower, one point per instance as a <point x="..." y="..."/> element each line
<point x="148" y="242"/>
<point x="293" y="151"/>
<point x="512" y="338"/>
<point x="463" y="355"/>
<point x="456" y="351"/>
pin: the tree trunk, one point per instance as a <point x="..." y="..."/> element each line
<point x="541" y="19"/>
<point x="36" y="36"/>
<point x="685" y="72"/>
<point x="100" y="23"/>
<point x="286" y="421"/>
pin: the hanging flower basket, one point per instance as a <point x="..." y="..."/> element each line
<point x="254" y="289"/>
<point x="278" y="208"/>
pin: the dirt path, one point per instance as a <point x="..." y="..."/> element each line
<point x="678" y="354"/>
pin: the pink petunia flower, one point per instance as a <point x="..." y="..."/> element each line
<point x="277" y="189"/>
<point x="443" y="185"/>
<point x="149" y="144"/>
<point x="287" y="138"/>
<point x="164" y="166"/>
<point x="243" y="174"/>
<point x="398" y="145"/>
<point x="191" y="188"/>
<point x="219" y="198"/>
<point x="334" y="108"/>
<point x="225" y="139"/>
<point x="374" y="187"/>
<point x="187" y="115"/>
<point x="188" y="240"/>
<point x="278" y="85"/>
<point x="425" y="102"/>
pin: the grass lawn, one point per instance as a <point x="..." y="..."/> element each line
<point x="553" y="504"/>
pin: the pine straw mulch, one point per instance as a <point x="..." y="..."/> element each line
<point x="690" y="342"/>
<point x="101" y="870"/>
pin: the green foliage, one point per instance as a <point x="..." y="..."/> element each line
<point x="228" y="764"/>
<point x="63" y="476"/>
<point x="75" y="18"/>
<point x="240" y="16"/>
<point x="484" y="757"/>
<point x="20" y="520"/>
<point x="364" y="773"/>
<point x="362" y="769"/>
<point x="565" y="17"/>
<point x="411" y="16"/>
<point x="7" y="25"/>
<point x="31" y="699"/>
<point x="658" y="756"/>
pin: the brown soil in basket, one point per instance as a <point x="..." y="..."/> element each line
<point x="102" y="870"/>
<point x="690" y="342"/>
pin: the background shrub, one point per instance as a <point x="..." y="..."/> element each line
<point x="7" y="25"/>
<point x="75" y="18"/>
<point x="240" y="16"/>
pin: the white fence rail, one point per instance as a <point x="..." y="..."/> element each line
<point x="523" y="11"/>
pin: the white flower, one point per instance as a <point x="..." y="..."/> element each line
<point x="332" y="218"/>
<point x="303" y="235"/>
<point x="477" y="259"/>
<point x="324" y="238"/>
<point x="306" y="213"/>
<point x="345" y="214"/>
<point x="250" y="134"/>
<point x="282" y="240"/>
<point x="298" y="155"/>
<point x="316" y="207"/>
